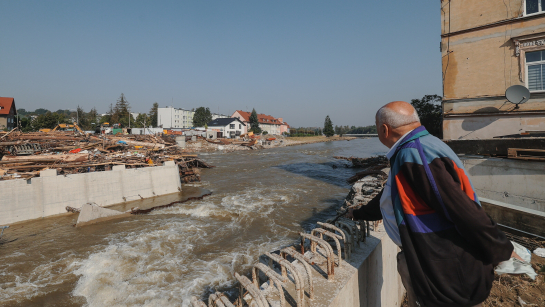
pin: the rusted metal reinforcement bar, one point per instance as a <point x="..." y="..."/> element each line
<point x="196" y="302"/>
<point x="350" y="229"/>
<point x="347" y="245"/>
<point x="214" y="301"/>
<point x="306" y="263"/>
<point x="327" y="249"/>
<point x="274" y="278"/>
<point x="253" y="290"/>
<point x="299" y="284"/>
<point x="224" y="299"/>
<point x="335" y="237"/>
<point x="362" y="225"/>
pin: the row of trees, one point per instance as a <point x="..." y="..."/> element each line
<point x="117" y="114"/>
<point x="428" y="109"/>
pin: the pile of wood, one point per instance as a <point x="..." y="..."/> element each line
<point x="24" y="155"/>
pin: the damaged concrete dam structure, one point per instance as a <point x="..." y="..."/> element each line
<point x="50" y="193"/>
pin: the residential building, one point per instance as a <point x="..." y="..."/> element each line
<point x="174" y="118"/>
<point x="229" y="127"/>
<point x="266" y="122"/>
<point x="7" y="113"/>
<point x="486" y="47"/>
<point x="177" y="118"/>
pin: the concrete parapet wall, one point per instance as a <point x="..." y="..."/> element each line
<point x="516" y="182"/>
<point x="50" y="194"/>
<point x="373" y="279"/>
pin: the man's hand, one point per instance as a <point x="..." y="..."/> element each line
<point x="350" y="213"/>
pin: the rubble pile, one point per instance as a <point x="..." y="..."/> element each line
<point x="368" y="183"/>
<point x="24" y="155"/>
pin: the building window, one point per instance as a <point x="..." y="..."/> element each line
<point x="534" y="6"/>
<point x="232" y="126"/>
<point x="239" y="126"/>
<point x="535" y="70"/>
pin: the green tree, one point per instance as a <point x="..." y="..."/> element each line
<point x="430" y="112"/>
<point x="328" y="127"/>
<point x="41" y="111"/>
<point x="153" y="114"/>
<point x="26" y="124"/>
<point x="92" y="119"/>
<point x="254" y="122"/>
<point x="108" y="117"/>
<point x="48" y="120"/>
<point x="202" y="117"/>
<point x="81" y="117"/>
<point x="143" y="120"/>
<point x="121" y="112"/>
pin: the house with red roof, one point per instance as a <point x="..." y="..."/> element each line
<point x="7" y="113"/>
<point x="266" y="122"/>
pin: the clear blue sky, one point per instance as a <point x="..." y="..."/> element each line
<point x="300" y="60"/>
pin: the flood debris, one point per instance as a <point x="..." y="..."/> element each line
<point x="24" y="155"/>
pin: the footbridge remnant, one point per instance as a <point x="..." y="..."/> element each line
<point x="339" y="263"/>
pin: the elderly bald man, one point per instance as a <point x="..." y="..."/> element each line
<point x="449" y="244"/>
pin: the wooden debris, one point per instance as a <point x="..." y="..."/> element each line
<point x="70" y="152"/>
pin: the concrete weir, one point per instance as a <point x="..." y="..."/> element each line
<point x="50" y="193"/>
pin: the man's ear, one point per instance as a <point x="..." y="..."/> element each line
<point x="385" y="130"/>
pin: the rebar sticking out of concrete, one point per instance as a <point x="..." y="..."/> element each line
<point x="335" y="237"/>
<point x="196" y="302"/>
<point x="253" y="290"/>
<point x="214" y="301"/>
<point x="327" y="250"/>
<point x="344" y="235"/>
<point x="274" y="279"/>
<point x="299" y="284"/>
<point x="306" y="263"/>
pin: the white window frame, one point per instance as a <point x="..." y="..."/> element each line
<point x="542" y="62"/>
<point x="541" y="10"/>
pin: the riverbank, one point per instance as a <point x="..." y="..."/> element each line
<point x="264" y="142"/>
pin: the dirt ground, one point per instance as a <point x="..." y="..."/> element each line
<point x="507" y="289"/>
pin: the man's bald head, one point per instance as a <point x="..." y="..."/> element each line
<point x="396" y="114"/>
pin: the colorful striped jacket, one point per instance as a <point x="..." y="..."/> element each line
<point x="450" y="243"/>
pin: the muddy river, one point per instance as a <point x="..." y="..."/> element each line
<point x="260" y="201"/>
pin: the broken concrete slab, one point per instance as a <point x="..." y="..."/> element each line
<point x="92" y="213"/>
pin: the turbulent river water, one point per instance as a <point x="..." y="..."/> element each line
<point x="261" y="200"/>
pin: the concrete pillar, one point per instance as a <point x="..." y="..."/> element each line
<point x="180" y="141"/>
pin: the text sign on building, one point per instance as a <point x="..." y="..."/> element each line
<point x="539" y="42"/>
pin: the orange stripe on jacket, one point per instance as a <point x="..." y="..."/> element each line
<point x="410" y="201"/>
<point x="464" y="182"/>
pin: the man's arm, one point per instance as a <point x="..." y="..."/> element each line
<point x="454" y="203"/>
<point x="369" y="212"/>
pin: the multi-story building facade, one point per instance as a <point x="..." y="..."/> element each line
<point x="7" y="113"/>
<point x="174" y="118"/>
<point x="266" y="122"/>
<point x="486" y="47"/>
<point x="177" y="118"/>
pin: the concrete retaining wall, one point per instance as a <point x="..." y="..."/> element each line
<point x="516" y="182"/>
<point x="49" y="194"/>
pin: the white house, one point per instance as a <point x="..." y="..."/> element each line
<point x="229" y="127"/>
